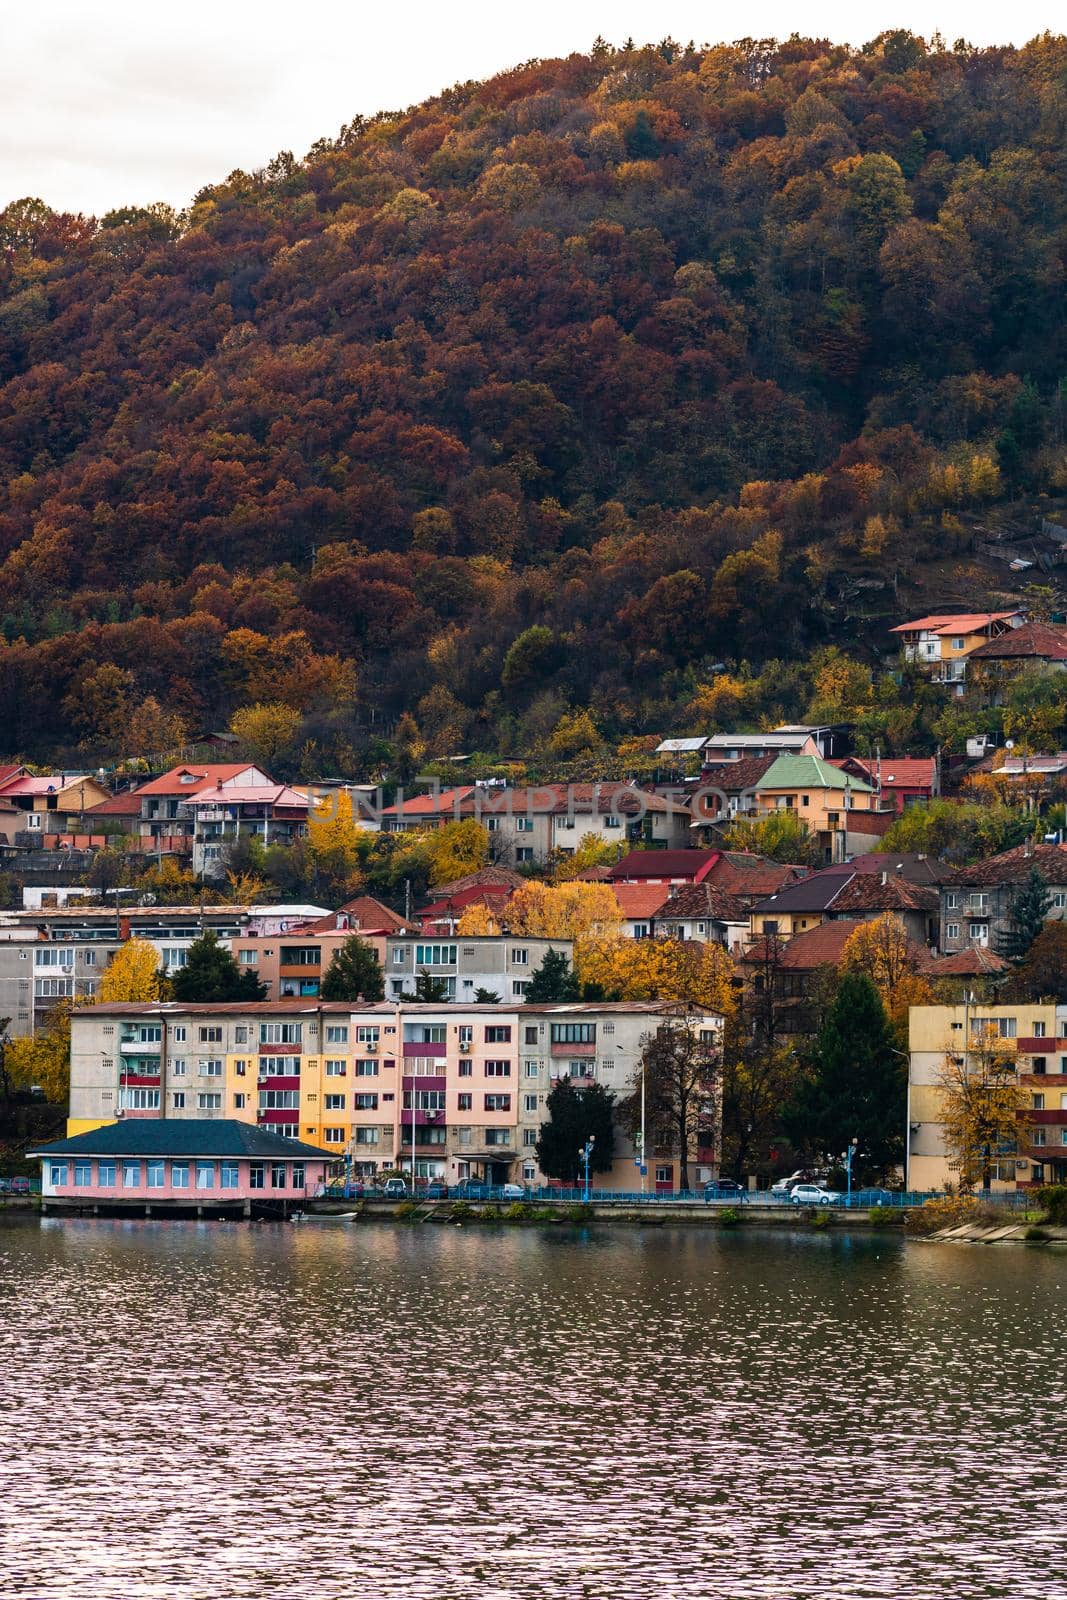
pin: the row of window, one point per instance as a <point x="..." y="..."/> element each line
<point x="155" y="1174"/>
<point x="499" y="1137"/>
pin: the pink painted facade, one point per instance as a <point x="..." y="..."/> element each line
<point x="193" y="1180"/>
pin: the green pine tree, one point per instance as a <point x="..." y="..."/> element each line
<point x="355" y="973"/>
<point x="1029" y="908"/>
<point x="553" y="980"/>
<point x="857" y="1089"/>
<point x="573" y="1115"/>
<point x="429" y="988"/>
<point x="211" y="976"/>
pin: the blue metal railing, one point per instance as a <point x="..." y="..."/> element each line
<point x="479" y="1194"/>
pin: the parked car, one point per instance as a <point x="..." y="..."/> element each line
<point x="809" y="1194"/>
<point x="472" y="1189"/>
<point x="725" y="1189"/>
<point x="872" y="1197"/>
<point x="395" y="1189"/>
<point x="5" y="1185"/>
<point x="437" y="1190"/>
<point x="513" y="1191"/>
<point x="19" y="1185"/>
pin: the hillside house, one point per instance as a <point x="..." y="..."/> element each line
<point x="943" y="642"/>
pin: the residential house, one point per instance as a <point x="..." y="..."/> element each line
<point x="726" y="790"/>
<point x="640" y="904"/>
<point x="786" y="977"/>
<point x="750" y="877"/>
<point x="704" y="913"/>
<point x="451" y="1090"/>
<point x="164" y="820"/>
<point x="842" y="893"/>
<point x="54" y="802"/>
<point x="976" y="906"/>
<point x="800" y="905"/>
<point x="663" y="866"/>
<point x="899" y="782"/>
<point x="234" y="809"/>
<point x="837" y="808"/>
<point x="1035" y="1036"/>
<point x="999" y="659"/>
<point x="942" y="643"/>
<point x="179" y="1168"/>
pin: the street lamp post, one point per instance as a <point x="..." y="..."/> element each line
<point x="849" y="1153"/>
<point x="584" y="1154"/>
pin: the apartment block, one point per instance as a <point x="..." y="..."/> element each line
<point x="502" y="964"/>
<point x="453" y="1091"/>
<point x="1035" y="1035"/>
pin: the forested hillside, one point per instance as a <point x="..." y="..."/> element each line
<point x="545" y="396"/>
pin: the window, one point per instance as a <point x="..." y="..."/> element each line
<point x="1005" y="1027"/>
<point x="497" y="1136"/>
<point x="177" y="1067"/>
<point x="361" y="1135"/>
<point x="425" y="1099"/>
<point x="180" y="1033"/>
<point x="277" y="1174"/>
<point x="105" y="1174"/>
<point x="978" y="932"/>
<point x="155" y="1174"/>
<point x="83" y="1174"/>
<point x="334" y="1102"/>
<point x="642" y="930"/>
<point x="573" y="1033"/>
<point x="498" y="1102"/>
<point x="1038" y="1030"/>
<point x="53" y="988"/>
<point x="529" y="1102"/>
<point x="335" y="1069"/>
<point x="463" y="1135"/>
<point x="366" y="1034"/>
<point x="1037" y="1136"/>
<point x="1059" y="899"/>
<point x="466" y="1036"/>
<point x="131" y="1174"/>
<point x="497" y="1034"/>
<point x="1039" y="1066"/>
<point x="228" y="1175"/>
<point x="466" y="1069"/>
<point x="178" y="1100"/>
<point x="366" y="1069"/>
<point x="529" y="1173"/>
<point x="239" y="1102"/>
<point x="280" y="1032"/>
<point x="531" y="1035"/>
<point x="435" y="955"/>
<point x="520" y="958"/>
<point x="664" y="1175"/>
<point x="211" y="1067"/>
<point x="299" y="955"/>
<point x="240" y="1067"/>
<point x="465" y="1102"/>
<point x="498" y="1069"/>
<point x="398" y="956"/>
<point x="205" y="1174"/>
<point x="139" y="1099"/>
<point x="248" y="958"/>
<point x="298" y="1175"/>
<point x="952" y="930"/>
<point x="279" y="1066"/>
<point x="209" y="1102"/>
<point x="179" y="1174"/>
<point x="532" y="1068"/>
<point x="524" y="825"/>
<point x="210" y="1035"/>
<point x="57" y="1174"/>
<point x="519" y="987"/>
<point x="1038" y="1102"/>
<point x="256" y="1175"/>
<point x="523" y="852"/>
<point x="284" y="1099"/>
<point x="952" y="900"/>
<point x="337" y="1033"/>
<point x="529" y="1137"/>
<point x="611" y="821"/>
<point x="957" y="644"/>
<point x="364" y="1102"/>
<point x="55" y="958"/>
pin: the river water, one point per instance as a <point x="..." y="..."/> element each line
<point x="236" y="1411"/>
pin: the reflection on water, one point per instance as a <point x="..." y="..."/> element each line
<point x="232" y="1411"/>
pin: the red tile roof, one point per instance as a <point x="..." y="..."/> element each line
<point x="640" y="865"/>
<point x="1015" y="866"/>
<point x="491" y="877"/>
<point x="971" y="963"/>
<point x="905" y="772"/>
<point x="1039" y="640"/>
<point x="865" y="891"/>
<point x="204" y="777"/>
<point x="750" y="876"/>
<point x="9" y="770"/>
<point x="821" y="946"/>
<point x="639" y="902"/>
<point x="963" y="622"/>
<point x="364" y="914"/>
<point x="691" y="901"/>
<point x="120" y="805"/>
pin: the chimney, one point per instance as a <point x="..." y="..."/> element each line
<point x="885" y="879"/>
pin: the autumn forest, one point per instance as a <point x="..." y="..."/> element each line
<point x="523" y="418"/>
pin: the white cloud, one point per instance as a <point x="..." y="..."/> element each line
<point x="113" y="102"/>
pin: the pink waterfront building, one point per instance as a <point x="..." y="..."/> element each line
<point x="186" y="1167"/>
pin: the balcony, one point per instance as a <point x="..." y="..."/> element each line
<point x="558" y="1048"/>
<point x="421" y="1047"/>
<point x="423" y="1119"/>
<point x="140" y="1047"/>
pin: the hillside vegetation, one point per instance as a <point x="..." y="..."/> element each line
<point x="541" y="399"/>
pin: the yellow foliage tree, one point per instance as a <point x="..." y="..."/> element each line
<point x="133" y="973"/>
<point x="333" y="840"/>
<point x="564" y="911"/>
<point x="266" y="731"/>
<point x="43" y="1062"/>
<point x="594" y="851"/>
<point x="883" y="951"/>
<point x="982" y="1105"/>
<point x="478" y="922"/>
<point x="683" y="972"/>
<point x="456" y="849"/>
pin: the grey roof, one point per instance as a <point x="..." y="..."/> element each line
<point x="173" y="1136"/>
<point x="814" y="893"/>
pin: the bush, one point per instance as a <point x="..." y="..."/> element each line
<point x="946" y="1211"/>
<point x="729" y="1217"/>
<point x="820" y="1219"/>
<point x="883" y="1216"/>
<point x="579" y="1213"/>
<point x="1036" y="1235"/>
<point x="461" y="1211"/>
<point x="1053" y="1202"/>
<point x="545" y="1214"/>
<point x="406" y="1209"/>
<point x="518" y="1211"/>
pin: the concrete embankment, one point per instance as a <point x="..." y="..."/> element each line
<point x="611" y="1213"/>
<point x="1000" y="1233"/>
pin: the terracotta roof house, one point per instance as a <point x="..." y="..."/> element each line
<point x="901" y="781"/>
<point x="705" y="913"/>
<point x="915" y="866"/>
<point x="942" y="643"/>
<point x="490" y="877"/>
<point x="833" y="804"/>
<point x="843" y="894"/>
<point x="976" y="906"/>
<point x="752" y="877"/>
<point x="1031" y="643"/>
<point x="52" y="802"/>
<point x="364" y="914"/>
<point x="664" y="866"/>
<point x="640" y="904"/>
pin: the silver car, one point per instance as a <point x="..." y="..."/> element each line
<point x="809" y="1194"/>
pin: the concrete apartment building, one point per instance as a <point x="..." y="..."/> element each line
<point x="502" y="964"/>
<point x="976" y="905"/>
<point x="1036" y="1036"/>
<point x="457" y="1090"/>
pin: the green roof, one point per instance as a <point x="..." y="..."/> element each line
<point x="810" y="772"/>
<point x="176" y="1136"/>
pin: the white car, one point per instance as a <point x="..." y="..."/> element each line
<point x="513" y="1191"/>
<point x="809" y="1194"/>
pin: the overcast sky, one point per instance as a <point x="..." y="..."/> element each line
<point x="112" y="102"/>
